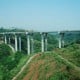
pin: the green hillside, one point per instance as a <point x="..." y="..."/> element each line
<point x="10" y="63"/>
<point x="54" y="65"/>
<point x="71" y="53"/>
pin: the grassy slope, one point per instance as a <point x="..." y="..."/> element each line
<point x="22" y="62"/>
<point x="71" y="53"/>
<point x="49" y="67"/>
<point x="16" y="69"/>
<point x="7" y="55"/>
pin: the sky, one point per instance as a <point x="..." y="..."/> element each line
<point x="40" y="15"/>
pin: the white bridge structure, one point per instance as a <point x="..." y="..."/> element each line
<point x="30" y="40"/>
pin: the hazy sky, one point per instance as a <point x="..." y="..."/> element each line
<point x="43" y="15"/>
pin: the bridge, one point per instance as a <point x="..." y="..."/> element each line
<point x="30" y="40"/>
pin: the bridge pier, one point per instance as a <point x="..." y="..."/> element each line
<point x="61" y="40"/>
<point x="32" y="43"/>
<point x="16" y="47"/>
<point x="9" y="40"/>
<point x="19" y="43"/>
<point x="60" y="44"/>
<point x="42" y="42"/>
<point x="28" y="43"/>
<point x="5" y="39"/>
<point x="46" y="42"/>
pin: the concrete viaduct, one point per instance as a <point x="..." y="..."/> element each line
<point x="30" y="42"/>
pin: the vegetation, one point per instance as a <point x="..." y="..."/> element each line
<point x="50" y="66"/>
<point x="58" y="64"/>
<point x="71" y="53"/>
<point x="10" y="63"/>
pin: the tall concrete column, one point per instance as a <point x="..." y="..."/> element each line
<point x="63" y="39"/>
<point x="32" y="44"/>
<point x="5" y="40"/>
<point x="9" y="40"/>
<point x="60" y="42"/>
<point x="19" y="43"/>
<point x="42" y="42"/>
<point x="28" y="44"/>
<point x="16" y="47"/>
<point x="45" y="41"/>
